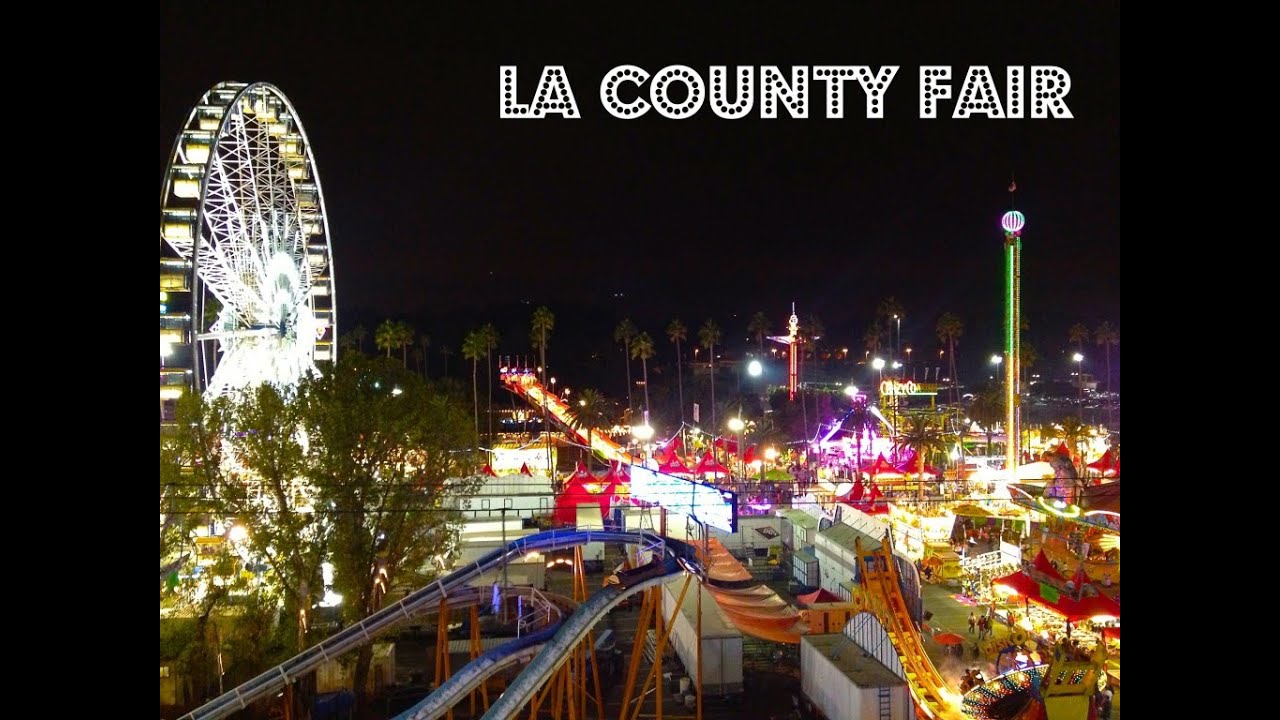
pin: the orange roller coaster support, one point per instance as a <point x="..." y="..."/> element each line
<point x="656" y="670"/>
<point x="442" y="647"/>
<point x="637" y="650"/>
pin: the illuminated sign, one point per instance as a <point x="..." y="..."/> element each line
<point x="907" y="387"/>
<point x="709" y="505"/>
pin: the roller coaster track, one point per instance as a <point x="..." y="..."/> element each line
<point x="417" y="603"/>
<point x="934" y="700"/>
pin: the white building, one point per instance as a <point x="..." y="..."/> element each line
<point x="846" y="683"/>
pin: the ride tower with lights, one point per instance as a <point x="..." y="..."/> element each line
<point x="791" y="340"/>
<point x="1012" y="224"/>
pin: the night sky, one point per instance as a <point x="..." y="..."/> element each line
<point x="447" y="215"/>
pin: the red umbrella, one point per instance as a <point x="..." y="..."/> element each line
<point x="948" y="638"/>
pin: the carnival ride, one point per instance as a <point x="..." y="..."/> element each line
<point x="1063" y="694"/>
<point x="526" y="385"/>
<point x="416" y="603"/>
<point x="879" y="579"/>
<point x="244" y="231"/>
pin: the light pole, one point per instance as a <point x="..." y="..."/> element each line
<point x="898" y="346"/>
<point x="736" y="425"/>
<point x="1079" y="360"/>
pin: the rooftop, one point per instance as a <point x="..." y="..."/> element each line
<point x="862" y="669"/>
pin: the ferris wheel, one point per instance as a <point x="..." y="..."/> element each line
<point x="246" y="267"/>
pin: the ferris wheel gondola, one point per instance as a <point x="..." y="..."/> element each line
<point x="246" y="274"/>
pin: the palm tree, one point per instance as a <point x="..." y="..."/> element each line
<point x="591" y="411"/>
<point x="950" y="328"/>
<point x="920" y="435"/>
<point x="625" y="333"/>
<point x="890" y="312"/>
<point x="417" y="358"/>
<point x="1106" y="335"/>
<point x="860" y="422"/>
<point x="1073" y="433"/>
<point x="811" y="330"/>
<point x="1079" y="335"/>
<point x="678" y="333"/>
<point x="388" y="336"/>
<point x="491" y="337"/>
<point x="709" y="335"/>
<point x="1029" y="356"/>
<point x="540" y="330"/>
<point x="445" y="352"/>
<point x="424" y="343"/>
<point x="359" y="333"/>
<point x="473" y="348"/>
<point x="759" y="326"/>
<point x="988" y="409"/>
<point x="642" y="348"/>
<point x="873" y="337"/>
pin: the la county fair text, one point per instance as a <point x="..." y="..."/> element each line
<point x="678" y="92"/>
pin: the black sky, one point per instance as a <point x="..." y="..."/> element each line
<point x="442" y="212"/>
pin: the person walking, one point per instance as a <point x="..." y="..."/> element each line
<point x="973" y="622"/>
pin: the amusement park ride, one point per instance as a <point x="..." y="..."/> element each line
<point x="243" y="220"/>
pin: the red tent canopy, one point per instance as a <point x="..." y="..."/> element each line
<point x="882" y="467"/>
<point x="708" y="464"/>
<point x="1073" y="610"/>
<point x="524" y="470"/>
<point x="1062" y="449"/>
<point x="910" y="466"/>
<point x="750" y="457"/>
<point x="1043" y="565"/>
<point x="728" y="445"/>
<point x="673" y="466"/>
<point x="858" y="490"/>
<point x="818" y="596"/>
<point x="488" y="470"/>
<point x="1105" y="464"/>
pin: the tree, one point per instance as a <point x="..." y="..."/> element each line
<point x="590" y="411"/>
<point x="1079" y="334"/>
<point x="988" y="409"/>
<point x="923" y="437"/>
<point x="417" y="358"/>
<point x="1074" y="433"/>
<point x="474" y="348"/>
<point x="359" y="333"/>
<point x="540" y="332"/>
<point x="491" y="337"/>
<point x="874" y="336"/>
<point x="1106" y="335"/>
<point x="811" y="330"/>
<point x="625" y="333"/>
<point x="860" y="422"/>
<point x="678" y="333"/>
<point x="709" y="335"/>
<point x="759" y="326"/>
<point x="395" y="334"/>
<point x="424" y="343"/>
<point x="445" y="352"/>
<point x="382" y="446"/>
<point x="642" y="348"/>
<point x="950" y="328"/>
<point x="889" y="312"/>
<point x="388" y="336"/>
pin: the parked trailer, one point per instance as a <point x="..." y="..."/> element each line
<point x="721" y="641"/>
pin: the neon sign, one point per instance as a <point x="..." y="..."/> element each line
<point x="709" y="505"/>
<point x="903" y="387"/>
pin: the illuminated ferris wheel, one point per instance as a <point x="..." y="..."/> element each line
<point x="246" y="267"/>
